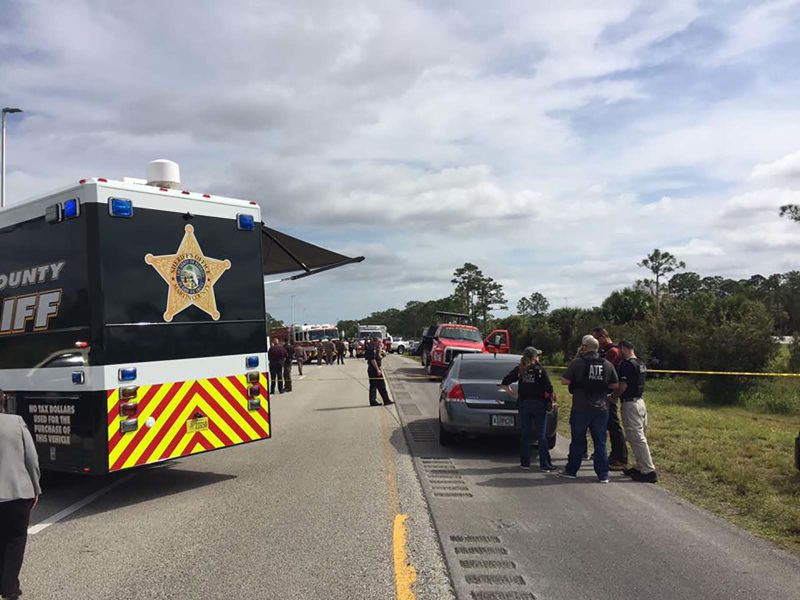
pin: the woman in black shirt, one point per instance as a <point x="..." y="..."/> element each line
<point x="535" y="398"/>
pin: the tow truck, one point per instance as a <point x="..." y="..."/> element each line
<point x="453" y="338"/>
<point x="132" y="319"/>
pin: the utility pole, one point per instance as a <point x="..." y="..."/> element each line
<point x="292" y="321"/>
<point x="6" y="111"/>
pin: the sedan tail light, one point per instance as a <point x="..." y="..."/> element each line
<point x="456" y="394"/>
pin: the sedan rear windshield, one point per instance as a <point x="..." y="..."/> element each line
<point x="485" y="369"/>
<point x="460" y="333"/>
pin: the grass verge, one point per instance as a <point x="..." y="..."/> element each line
<point x="734" y="462"/>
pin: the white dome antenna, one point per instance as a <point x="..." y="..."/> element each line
<point x="164" y="173"/>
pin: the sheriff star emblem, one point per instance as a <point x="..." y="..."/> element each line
<point x="190" y="276"/>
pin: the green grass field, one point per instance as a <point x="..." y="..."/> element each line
<point x="733" y="461"/>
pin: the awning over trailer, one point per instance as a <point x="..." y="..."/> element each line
<point x="281" y="253"/>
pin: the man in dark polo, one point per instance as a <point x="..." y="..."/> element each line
<point x="589" y="379"/>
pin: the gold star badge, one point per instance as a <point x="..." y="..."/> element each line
<point x="190" y="276"/>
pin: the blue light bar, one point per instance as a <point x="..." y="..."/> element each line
<point x="252" y="362"/>
<point x="120" y="207"/>
<point x="72" y="208"/>
<point x="128" y="374"/>
<point x="245" y="222"/>
<point x="78" y="377"/>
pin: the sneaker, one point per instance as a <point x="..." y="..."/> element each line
<point x="548" y="469"/>
<point x="617" y="466"/>
<point x="563" y="473"/>
<point x="524" y="468"/>
<point x="650" y="477"/>
<point x="630" y="472"/>
<point x="603" y="479"/>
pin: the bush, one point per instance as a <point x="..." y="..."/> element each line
<point x="794" y="354"/>
<point x="779" y="397"/>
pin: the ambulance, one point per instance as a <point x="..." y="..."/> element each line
<point x="133" y="321"/>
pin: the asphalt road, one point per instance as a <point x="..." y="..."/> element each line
<point x="532" y="535"/>
<point x="307" y="514"/>
<point x="313" y="513"/>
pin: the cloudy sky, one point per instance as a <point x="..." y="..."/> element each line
<point x="553" y="144"/>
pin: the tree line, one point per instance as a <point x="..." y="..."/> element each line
<point x="678" y="319"/>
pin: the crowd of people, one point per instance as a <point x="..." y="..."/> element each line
<point x="283" y="354"/>
<point x="605" y="380"/>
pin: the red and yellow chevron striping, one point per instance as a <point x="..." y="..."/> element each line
<point x="186" y="417"/>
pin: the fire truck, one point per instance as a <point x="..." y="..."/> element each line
<point x="132" y="319"/>
<point x="308" y="336"/>
<point x="367" y="332"/>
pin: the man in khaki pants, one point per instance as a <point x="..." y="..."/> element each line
<point x="634" y="413"/>
<point x="19" y="492"/>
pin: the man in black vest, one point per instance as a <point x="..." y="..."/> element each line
<point x="377" y="384"/>
<point x="589" y="379"/>
<point x="618" y="457"/>
<point x="634" y="413"/>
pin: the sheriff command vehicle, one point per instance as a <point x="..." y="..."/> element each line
<point x="133" y="322"/>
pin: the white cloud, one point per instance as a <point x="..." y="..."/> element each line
<point x="539" y="144"/>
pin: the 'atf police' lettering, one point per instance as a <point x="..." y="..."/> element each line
<point x="17" y="312"/>
<point x="596" y="372"/>
<point x="31" y="276"/>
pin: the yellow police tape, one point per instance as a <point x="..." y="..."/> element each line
<point x="728" y="373"/>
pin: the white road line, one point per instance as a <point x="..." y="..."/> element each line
<point x="39" y="527"/>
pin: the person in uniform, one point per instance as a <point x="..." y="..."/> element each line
<point x="377" y="384"/>
<point x="287" y="365"/>
<point x="589" y="379"/>
<point x="534" y="399"/>
<point x="300" y="355"/>
<point x="19" y="493"/>
<point x="340" y="350"/>
<point x="630" y="392"/>
<point x="618" y="457"/>
<point x="277" y="357"/>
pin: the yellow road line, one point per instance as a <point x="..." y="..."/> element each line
<point x="404" y="573"/>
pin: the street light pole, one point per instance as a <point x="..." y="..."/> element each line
<point x="292" y="323"/>
<point x="6" y="111"/>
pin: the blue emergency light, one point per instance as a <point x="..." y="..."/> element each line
<point x="78" y="377"/>
<point x="251" y="362"/>
<point x="245" y="222"/>
<point x="72" y="208"/>
<point x="120" y="207"/>
<point x="127" y="374"/>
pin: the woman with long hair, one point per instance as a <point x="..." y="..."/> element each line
<point x="535" y="398"/>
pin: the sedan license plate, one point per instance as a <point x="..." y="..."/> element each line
<point x="197" y="425"/>
<point x="502" y="420"/>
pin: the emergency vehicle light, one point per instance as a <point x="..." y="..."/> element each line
<point x="120" y="207"/>
<point x="78" y="377"/>
<point x="52" y="214"/>
<point x="253" y="391"/>
<point x="253" y="377"/>
<point x="72" y="208"/>
<point x="128" y="374"/>
<point x="245" y="222"/>
<point x="253" y="404"/>
<point x="128" y="409"/>
<point x="251" y="362"/>
<point x="128" y="425"/>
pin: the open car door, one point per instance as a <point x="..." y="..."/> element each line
<point x="498" y="342"/>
